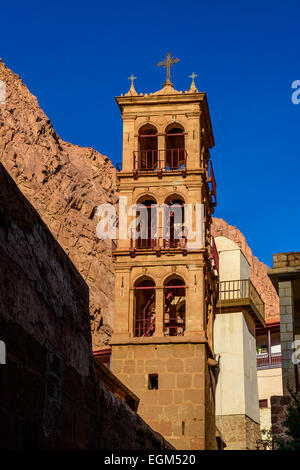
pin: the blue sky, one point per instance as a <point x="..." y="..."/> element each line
<point x="76" y="56"/>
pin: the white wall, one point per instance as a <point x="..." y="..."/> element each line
<point x="236" y="390"/>
<point x="234" y="340"/>
<point x="233" y="263"/>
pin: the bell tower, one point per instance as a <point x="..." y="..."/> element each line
<point x="166" y="278"/>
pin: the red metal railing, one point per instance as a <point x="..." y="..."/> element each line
<point x="145" y="325"/>
<point x="213" y="181"/>
<point x="169" y="159"/>
<point x="215" y="253"/>
<point x="179" y="243"/>
<point x="263" y="360"/>
<point x="173" y="325"/>
<point x="145" y="243"/>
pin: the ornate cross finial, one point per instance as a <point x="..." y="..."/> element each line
<point x="167" y="63"/>
<point x="193" y="88"/>
<point x="132" y="77"/>
<point x="131" y="91"/>
<point x="193" y="76"/>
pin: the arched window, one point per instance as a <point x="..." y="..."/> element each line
<point x="147" y="228"/>
<point x="147" y="156"/>
<point x="175" y="149"/>
<point x="144" y="293"/>
<point x="174" y="307"/>
<point x="174" y="234"/>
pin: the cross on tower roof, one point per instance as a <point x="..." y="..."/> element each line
<point x="132" y="77"/>
<point x="193" y="88"/>
<point x="193" y="76"/>
<point x="167" y="63"/>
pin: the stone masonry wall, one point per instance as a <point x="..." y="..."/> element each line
<point x="287" y="333"/>
<point x="239" y="432"/>
<point x="285" y="260"/>
<point x="177" y="408"/>
<point x="50" y="396"/>
<point x="279" y="405"/>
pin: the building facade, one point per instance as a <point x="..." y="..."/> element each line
<point x="269" y="371"/>
<point x="239" y="310"/>
<point x="165" y="289"/>
<point x="285" y="276"/>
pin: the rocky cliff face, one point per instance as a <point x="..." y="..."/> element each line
<point x="259" y="275"/>
<point x="65" y="183"/>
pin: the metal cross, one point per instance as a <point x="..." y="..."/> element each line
<point x="132" y="77"/>
<point x="167" y="63"/>
<point x="193" y="76"/>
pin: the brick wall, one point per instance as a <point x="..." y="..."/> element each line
<point x="50" y="396"/>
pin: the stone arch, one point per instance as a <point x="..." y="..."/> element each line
<point x="144" y="306"/>
<point x="174" y="305"/>
<point x="175" y="146"/>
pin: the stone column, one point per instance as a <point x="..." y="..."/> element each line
<point x="287" y="334"/>
<point x="159" y="311"/>
<point x="131" y="326"/>
<point x="161" y="146"/>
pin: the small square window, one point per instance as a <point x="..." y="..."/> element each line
<point x="263" y="403"/>
<point x="153" y="382"/>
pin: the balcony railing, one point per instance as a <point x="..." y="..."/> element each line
<point x="152" y="244"/>
<point x="212" y="180"/>
<point x="215" y="253"/>
<point x="169" y="159"/>
<point x="241" y="293"/>
<point x="264" y="361"/>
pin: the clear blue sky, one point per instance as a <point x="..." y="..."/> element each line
<point x="76" y="56"/>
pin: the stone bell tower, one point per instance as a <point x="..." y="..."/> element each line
<point x="165" y="286"/>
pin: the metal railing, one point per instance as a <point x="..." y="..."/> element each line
<point x="213" y="181"/>
<point x="168" y="159"/>
<point x="215" y="253"/>
<point x="163" y="243"/>
<point x="241" y="291"/>
<point x="264" y="360"/>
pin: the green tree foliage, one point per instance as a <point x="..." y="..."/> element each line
<point x="292" y="423"/>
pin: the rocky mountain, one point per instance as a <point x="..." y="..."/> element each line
<point x="65" y="183"/>
<point x="259" y="275"/>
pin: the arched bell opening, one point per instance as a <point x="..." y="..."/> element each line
<point x="174" y="307"/>
<point x="174" y="232"/>
<point x="175" y="147"/>
<point x="144" y="318"/>
<point x="147" y="226"/>
<point x="147" y="155"/>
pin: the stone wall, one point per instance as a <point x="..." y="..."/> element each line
<point x="177" y="408"/>
<point x="279" y="405"/>
<point x="287" y="333"/>
<point x="285" y="260"/>
<point x="50" y="396"/>
<point x="239" y="432"/>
